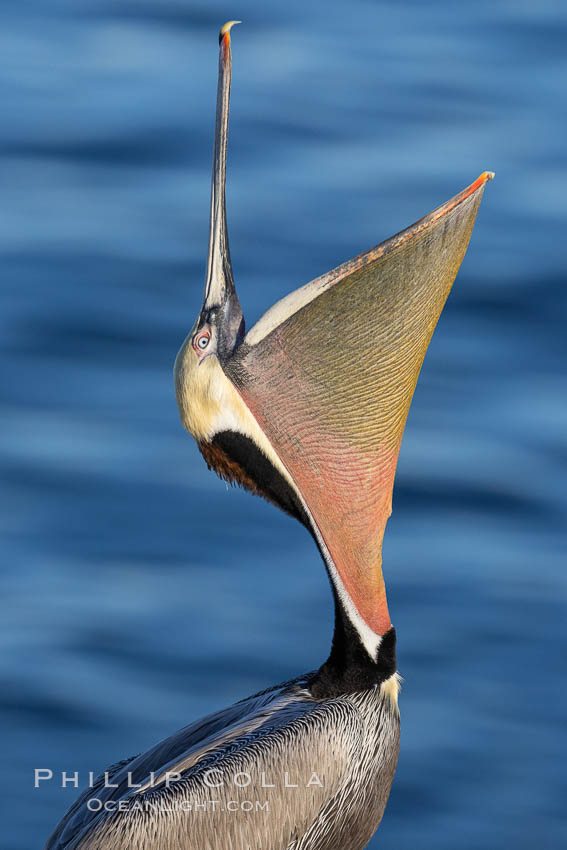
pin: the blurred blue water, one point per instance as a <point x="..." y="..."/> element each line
<point x="127" y="613"/>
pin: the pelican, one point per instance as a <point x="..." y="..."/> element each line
<point x="307" y="409"/>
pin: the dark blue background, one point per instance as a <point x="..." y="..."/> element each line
<point x="138" y="593"/>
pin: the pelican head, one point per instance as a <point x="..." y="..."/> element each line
<point x="219" y="328"/>
<point x="309" y="408"/>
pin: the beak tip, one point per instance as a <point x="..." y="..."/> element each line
<point x="226" y="28"/>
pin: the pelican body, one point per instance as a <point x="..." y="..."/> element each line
<point x="307" y="409"/>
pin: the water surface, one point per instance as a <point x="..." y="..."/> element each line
<point x="139" y="592"/>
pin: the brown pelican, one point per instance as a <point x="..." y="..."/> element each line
<point x="307" y="410"/>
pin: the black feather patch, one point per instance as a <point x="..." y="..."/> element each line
<point x="238" y="460"/>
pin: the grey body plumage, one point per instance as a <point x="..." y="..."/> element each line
<point x="308" y="410"/>
<point x="341" y="753"/>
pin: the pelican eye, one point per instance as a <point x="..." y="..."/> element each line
<point x="202" y="340"/>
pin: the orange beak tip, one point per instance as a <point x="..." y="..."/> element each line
<point x="470" y="190"/>
<point x="224" y="34"/>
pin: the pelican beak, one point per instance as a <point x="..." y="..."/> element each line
<point x="221" y="305"/>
